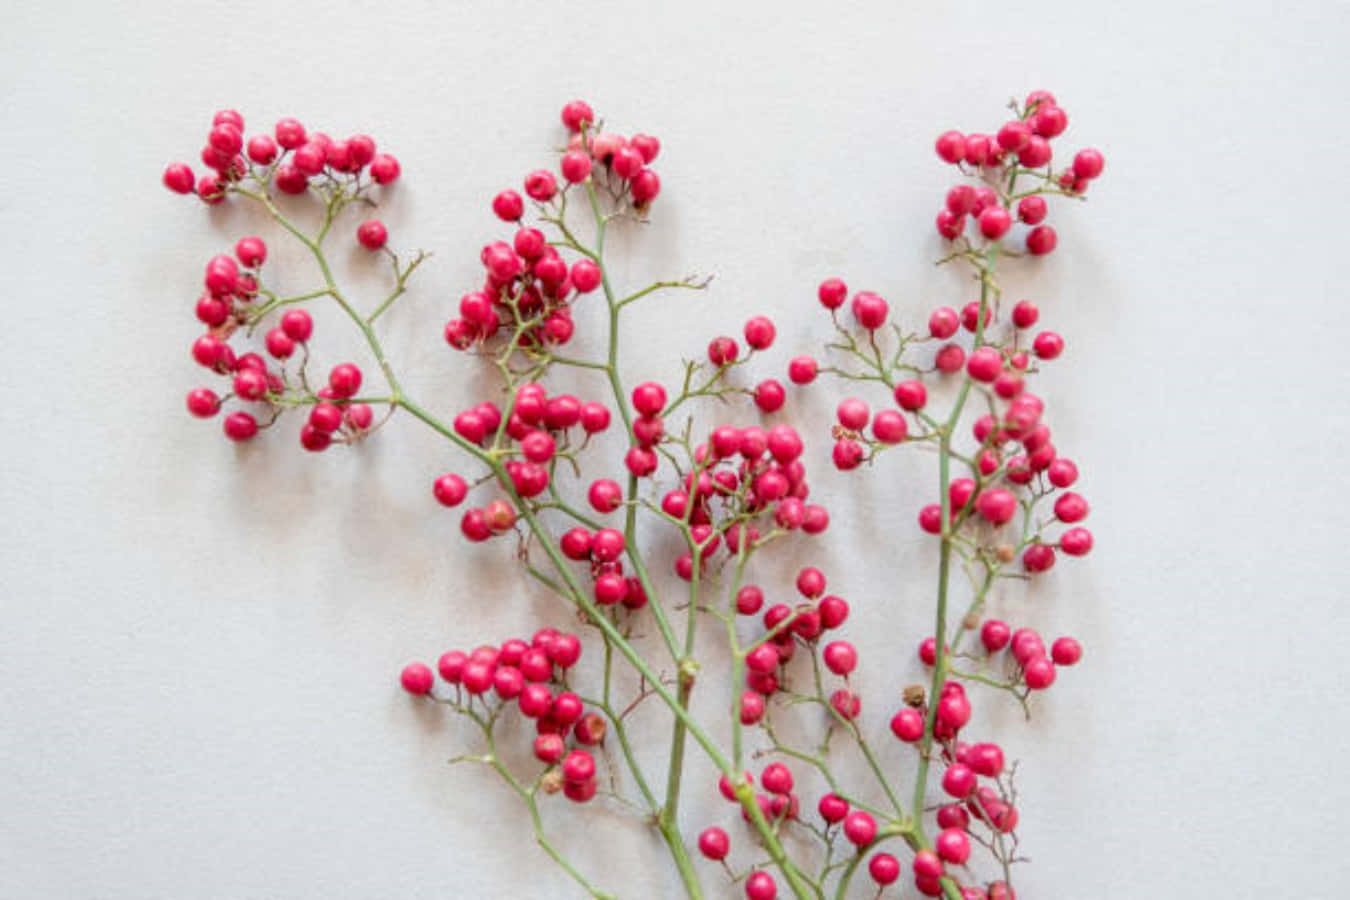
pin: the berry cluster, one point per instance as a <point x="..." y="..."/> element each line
<point x="236" y="300"/>
<point x="1020" y="147"/>
<point x="532" y="675"/>
<point x="728" y="493"/>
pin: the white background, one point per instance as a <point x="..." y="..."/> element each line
<point x="200" y="643"/>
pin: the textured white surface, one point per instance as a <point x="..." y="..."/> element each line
<point x="199" y="644"/>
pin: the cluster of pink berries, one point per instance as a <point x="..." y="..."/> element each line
<point x="1020" y="146"/>
<point x="532" y="674"/>
<point x="538" y="425"/>
<point x="290" y="158"/>
<point x="528" y="285"/>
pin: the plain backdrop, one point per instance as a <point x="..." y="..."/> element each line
<point x="200" y="642"/>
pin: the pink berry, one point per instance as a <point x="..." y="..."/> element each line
<point x="1088" y="164"/>
<point x="760" y="886"/>
<point x="944" y="322"/>
<point x="1025" y="314"/>
<point x="776" y="779"/>
<point x="578" y="766"/>
<point x="810" y="582"/>
<point x="950" y="358"/>
<point x="884" y="868"/>
<point x="951" y="146"/>
<point x="372" y="234"/>
<point x="995" y="635"/>
<point x="860" y="828"/>
<point x="959" y="780"/>
<point x="586" y="276"/>
<point x="908" y="724"/>
<point x="714" y="843"/>
<point x="832" y="293"/>
<point x="953" y="846"/>
<point x="853" y="414"/>
<point x="840" y="657"/>
<point x="995" y="222"/>
<point x="417" y="678"/>
<point x="508" y="206"/>
<point x="344" y="380"/>
<point x="1048" y="345"/>
<point x="576" y="166"/>
<point x="927" y="866"/>
<point x="289" y="133"/>
<point x="832" y="808"/>
<point x="1036" y="153"/>
<point x="203" y="403"/>
<point x="240" y="426"/>
<point x="1032" y="210"/>
<point x="251" y="251"/>
<point x="178" y="178"/>
<point x="384" y="168"/>
<point x="649" y="398"/>
<point x="1013" y="136"/>
<point x="984" y="364"/>
<point x="997" y="505"/>
<point x="759" y="332"/>
<point x="722" y="351"/>
<point x="1071" y="507"/>
<point x="911" y="395"/>
<point x="802" y="370"/>
<point x="1066" y="651"/>
<point x="1076" y="541"/>
<point x="1041" y="240"/>
<point x="577" y="115"/>
<point x="450" y="489"/>
<point x="870" y="310"/>
<point x="1039" y="673"/>
<point x="605" y="495"/>
<point x="949" y="224"/>
<point x="889" y="427"/>
<point x="770" y="395"/>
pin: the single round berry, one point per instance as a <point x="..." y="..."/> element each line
<point x="908" y="724"/>
<point x="1025" y="314"/>
<point x="1041" y="240"/>
<point x="508" y="206"/>
<point x="860" y="828"/>
<point x="840" y="657"/>
<point x="760" y="886"/>
<point x="649" y="398"/>
<point x="984" y="364"/>
<point x="853" y="414"/>
<point x="1088" y="163"/>
<point x="884" y="868"/>
<point x="344" y="380"/>
<point x="372" y="234"/>
<point x="203" y="403"/>
<point x="776" y="779"/>
<point x="1066" y="651"/>
<point x="240" y="426"/>
<point x="714" y="843"/>
<point x="251" y="251"/>
<point x="575" y="166"/>
<point x="911" y="395"/>
<point x="1071" y="507"/>
<point x="832" y="808"/>
<point x="889" y="427"/>
<point x="178" y="178"/>
<point x="577" y="115"/>
<point x="832" y="293"/>
<point x="951" y="146"/>
<point x="1032" y="210"/>
<point x="450" y="489"/>
<point x="1039" y="673"/>
<point x="995" y="635"/>
<point x="1076" y="541"/>
<point x="995" y="222"/>
<point x="417" y="678"/>
<point x="802" y="370"/>
<point x="605" y="495"/>
<point x="760" y="332"/>
<point x="870" y="310"/>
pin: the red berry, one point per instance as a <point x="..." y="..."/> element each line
<point x="1071" y="507"/>
<point x="450" y="489"/>
<point x="884" y="868"/>
<point x="908" y="724"/>
<point x="508" y="206"/>
<point x="1039" y="673"/>
<point x="760" y="886"/>
<point x="911" y="395"/>
<point x="950" y="358"/>
<point x="870" y="310"/>
<point x="1032" y="210"/>
<point x="944" y="322"/>
<point x="178" y="178"/>
<point x="577" y="115"/>
<point x="251" y="251"/>
<point x="1048" y="345"/>
<point x="1088" y="164"/>
<point x="417" y="678"/>
<point x="1013" y="136"/>
<point x="384" y="168"/>
<point x="1076" y="541"/>
<point x="997" y="505"/>
<point x="649" y="398"/>
<point x="1041" y="240"/>
<point x="889" y="427"/>
<point x="240" y="426"/>
<point x="951" y="146"/>
<point x="203" y="403"/>
<point x="832" y="293"/>
<point x="995" y="635"/>
<point x="802" y="370"/>
<point x="995" y="222"/>
<point x="344" y="380"/>
<point x="759" y="332"/>
<point x="576" y="166"/>
<point x="578" y="766"/>
<point x="860" y="828"/>
<point x="714" y="843"/>
<point x="372" y="234"/>
<point x="959" y="780"/>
